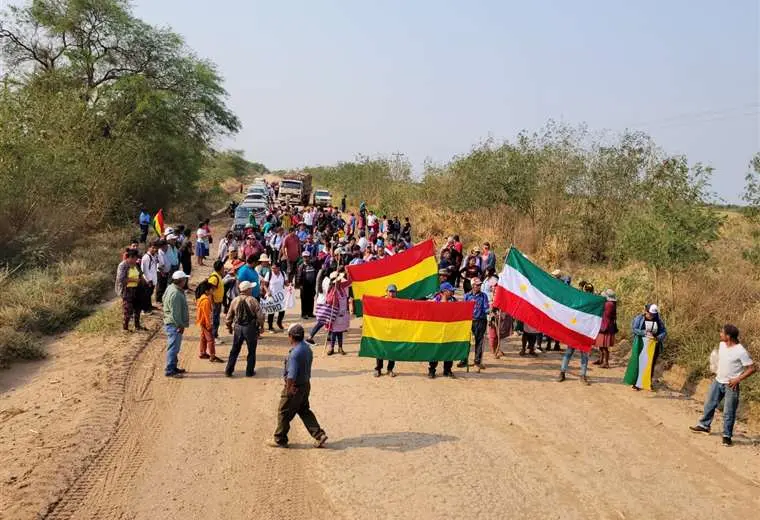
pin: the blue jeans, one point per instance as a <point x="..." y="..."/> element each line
<point x="569" y="354"/>
<point x="174" y="342"/>
<point x="717" y="392"/>
<point x="216" y="318"/>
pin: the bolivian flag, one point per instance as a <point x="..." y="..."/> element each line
<point x="158" y="223"/>
<point x="414" y="273"/>
<point x="407" y="330"/>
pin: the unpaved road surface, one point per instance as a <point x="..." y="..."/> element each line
<point x="506" y="443"/>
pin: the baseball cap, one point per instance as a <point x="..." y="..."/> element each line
<point x="246" y="285"/>
<point x="654" y="309"/>
<point x="392" y="288"/>
<point x="446" y="286"/>
<point x="306" y="253"/>
<point x="179" y="275"/>
<point x="476" y="281"/>
<point x="556" y="272"/>
<point x="171" y="236"/>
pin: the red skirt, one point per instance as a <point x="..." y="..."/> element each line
<point x="605" y="339"/>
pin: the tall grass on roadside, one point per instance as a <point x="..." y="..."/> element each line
<point x="48" y="300"/>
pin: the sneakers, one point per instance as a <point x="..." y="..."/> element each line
<point x="204" y="356"/>
<point x="215" y="359"/>
<point x="584" y="381"/>
<point x="378" y="373"/>
<point x="561" y="377"/>
<point x="461" y="364"/>
<point x="700" y="429"/>
<point x="330" y="352"/>
<point x="310" y="341"/>
<point x="449" y="374"/>
<point x="391" y="373"/>
<point x="320" y="440"/>
<point x="275" y="444"/>
<point x="727" y="442"/>
<point x="175" y="374"/>
<point x="431" y="375"/>
<point x="341" y="351"/>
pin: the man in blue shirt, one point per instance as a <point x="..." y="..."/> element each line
<point x="248" y="273"/>
<point x="479" y="321"/>
<point x="144" y="224"/>
<point x="294" y="399"/>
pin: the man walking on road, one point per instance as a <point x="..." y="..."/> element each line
<point x="734" y="366"/>
<point x="295" y="396"/>
<point x="247" y="319"/>
<point x="176" y="320"/>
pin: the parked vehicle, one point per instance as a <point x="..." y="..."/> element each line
<point x="241" y="218"/>
<point x="295" y="188"/>
<point x="322" y="198"/>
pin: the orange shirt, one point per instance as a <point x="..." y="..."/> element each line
<point x="203" y="317"/>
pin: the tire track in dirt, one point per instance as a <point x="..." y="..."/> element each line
<point x="119" y="460"/>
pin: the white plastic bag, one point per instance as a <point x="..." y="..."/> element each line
<point x="290" y="298"/>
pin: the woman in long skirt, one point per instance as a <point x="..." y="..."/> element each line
<point x="342" y="318"/>
<point x="606" y="337"/>
<point x="648" y="335"/>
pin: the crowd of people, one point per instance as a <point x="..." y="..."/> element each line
<point x="307" y="250"/>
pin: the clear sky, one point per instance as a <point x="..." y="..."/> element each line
<point x="318" y="81"/>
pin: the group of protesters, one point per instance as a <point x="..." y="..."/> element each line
<point x="308" y="250"/>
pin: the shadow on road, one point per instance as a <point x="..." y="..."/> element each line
<point x="400" y="442"/>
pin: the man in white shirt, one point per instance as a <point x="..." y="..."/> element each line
<point x="362" y="242"/>
<point x="308" y="218"/>
<point x="734" y="366"/>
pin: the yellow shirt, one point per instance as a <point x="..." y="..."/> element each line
<point x="133" y="277"/>
<point x="219" y="290"/>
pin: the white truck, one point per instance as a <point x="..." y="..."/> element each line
<point x="322" y="198"/>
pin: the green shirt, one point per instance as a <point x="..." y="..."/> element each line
<point x="175" y="307"/>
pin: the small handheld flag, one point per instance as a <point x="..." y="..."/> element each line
<point x="158" y="222"/>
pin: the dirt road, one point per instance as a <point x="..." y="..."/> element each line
<point x="506" y="443"/>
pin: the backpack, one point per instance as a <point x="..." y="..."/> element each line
<point x="244" y="315"/>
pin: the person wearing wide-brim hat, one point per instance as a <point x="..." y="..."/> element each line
<point x="337" y="298"/>
<point x="607" y="331"/>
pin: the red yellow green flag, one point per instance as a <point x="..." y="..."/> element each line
<point x="409" y="330"/>
<point x="158" y="222"/>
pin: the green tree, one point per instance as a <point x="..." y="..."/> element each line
<point x="101" y="114"/>
<point x="671" y="224"/>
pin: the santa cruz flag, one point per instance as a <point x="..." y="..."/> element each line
<point x="535" y="297"/>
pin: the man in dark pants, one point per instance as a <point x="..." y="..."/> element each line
<point x="246" y="317"/>
<point x="446" y="294"/>
<point x="479" y="320"/>
<point x="294" y="399"/>
<point x="390" y="292"/>
<point x="306" y="280"/>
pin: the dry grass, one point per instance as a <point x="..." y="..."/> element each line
<point x="44" y="301"/>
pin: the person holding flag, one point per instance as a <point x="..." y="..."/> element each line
<point x="390" y="292"/>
